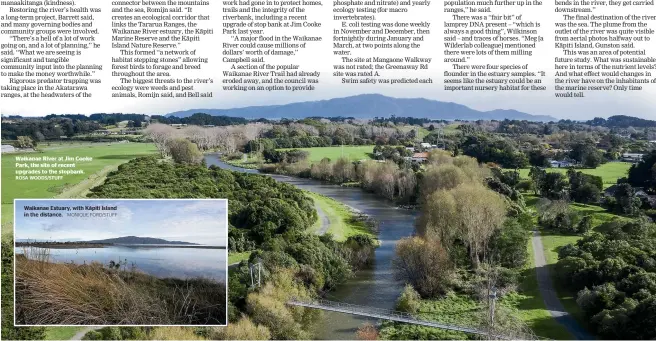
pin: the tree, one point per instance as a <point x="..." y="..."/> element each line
<point x="584" y="188"/>
<point x="424" y="264"/>
<point x="25" y="142"/>
<point x="537" y="175"/>
<point x="625" y="200"/>
<point x="244" y="329"/>
<point x="469" y="213"/>
<point x="367" y="332"/>
<point x="508" y="245"/>
<point x="554" y="186"/>
<point x="538" y="158"/>
<point x="586" y="153"/>
<point x="643" y="173"/>
<point x="343" y="170"/>
<point x="409" y="300"/>
<point x="161" y="135"/>
<point x="184" y="151"/>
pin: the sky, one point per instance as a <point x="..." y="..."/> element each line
<point x="195" y="221"/>
<point x="318" y="56"/>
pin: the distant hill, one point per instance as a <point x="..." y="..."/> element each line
<point x="622" y="121"/>
<point x="368" y="106"/>
<point x="136" y="240"/>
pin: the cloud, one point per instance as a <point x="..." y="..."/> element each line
<point x="51" y="227"/>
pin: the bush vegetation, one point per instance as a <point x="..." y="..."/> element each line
<point x="51" y="293"/>
<point x="614" y="273"/>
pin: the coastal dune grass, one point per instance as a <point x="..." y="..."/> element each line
<point x="90" y="294"/>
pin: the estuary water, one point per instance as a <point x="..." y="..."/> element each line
<point x="159" y="261"/>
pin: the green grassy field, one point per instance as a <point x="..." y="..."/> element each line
<point x="236" y="257"/>
<point x="61" y="333"/>
<point x="341" y="224"/>
<point x="609" y="172"/>
<point x="352" y="152"/>
<point x="252" y="162"/>
<point x="104" y="155"/>
<point x="451" y="129"/>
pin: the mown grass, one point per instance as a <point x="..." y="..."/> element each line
<point x="236" y="257"/>
<point x="354" y="153"/>
<point x="343" y="221"/>
<point x="70" y="294"/>
<point x="609" y="172"/>
<point x="103" y="155"/>
<point x="251" y="162"/>
<point x="61" y="333"/>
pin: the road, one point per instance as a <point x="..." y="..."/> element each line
<point x="551" y="300"/>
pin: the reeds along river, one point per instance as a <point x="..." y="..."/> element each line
<point x="159" y="261"/>
<point x="374" y="287"/>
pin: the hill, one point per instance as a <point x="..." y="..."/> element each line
<point x="622" y="121"/>
<point x="368" y="106"/>
<point x="136" y="240"/>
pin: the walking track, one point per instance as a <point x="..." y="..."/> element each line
<point x="551" y="300"/>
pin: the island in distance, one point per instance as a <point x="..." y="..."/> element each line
<point x="122" y="241"/>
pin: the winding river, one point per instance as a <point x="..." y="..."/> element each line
<point x="374" y="287"/>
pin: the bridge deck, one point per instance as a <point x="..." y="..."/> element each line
<point x="382" y="314"/>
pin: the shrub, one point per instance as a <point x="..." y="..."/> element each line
<point x="185" y="151"/>
<point x="409" y="300"/>
<point x="425" y="265"/>
<point x="244" y="329"/>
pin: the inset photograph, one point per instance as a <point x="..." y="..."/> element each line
<point x="127" y="262"/>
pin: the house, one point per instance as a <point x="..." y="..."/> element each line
<point x="560" y="164"/>
<point x="7" y="148"/>
<point x="419" y="157"/>
<point x="632" y="157"/>
<point x="425" y="145"/>
<point x="412" y="149"/>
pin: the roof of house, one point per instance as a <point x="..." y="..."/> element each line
<point x="420" y="155"/>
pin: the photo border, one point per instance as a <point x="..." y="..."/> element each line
<point x="227" y="225"/>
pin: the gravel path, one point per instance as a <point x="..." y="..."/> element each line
<point x="79" y="335"/>
<point x="551" y="301"/>
<point x="325" y="221"/>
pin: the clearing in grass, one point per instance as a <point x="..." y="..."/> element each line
<point x="609" y="172"/>
<point x="342" y="221"/>
<point x="354" y="153"/>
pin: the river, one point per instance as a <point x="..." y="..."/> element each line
<point x="374" y="287"/>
